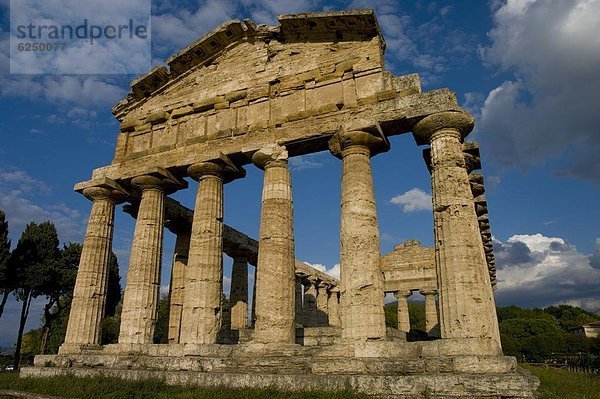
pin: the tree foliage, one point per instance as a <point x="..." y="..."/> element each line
<point x="34" y="264"/>
<point x="6" y="284"/>
<point x="541" y="335"/>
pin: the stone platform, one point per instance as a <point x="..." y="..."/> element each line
<point x="411" y="370"/>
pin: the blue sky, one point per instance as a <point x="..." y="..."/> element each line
<point x="528" y="70"/>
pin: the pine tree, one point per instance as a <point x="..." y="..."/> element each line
<point x="34" y="262"/>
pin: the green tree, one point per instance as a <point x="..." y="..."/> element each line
<point x="33" y="262"/>
<point x="59" y="295"/>
<point x="6" y="286"/>
<point x="161" y="332"/>
<point x="570" y="316"/>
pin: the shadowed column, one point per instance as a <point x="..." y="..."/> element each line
<point x="275" y="281"/>
<point x="310" y="303"/>
<point x="238" y="295"/>
<point x="467" y="308"/>
<point x="361" y="280"/>
<point x="89" y="295"/>
<point x="298" y="301"/>
<point x="322" y="318"/>
<point x="176" y="291"/>
<point x="403" y="312"/>
<point x="431" y="314"/>
<point x="333" y="307"/>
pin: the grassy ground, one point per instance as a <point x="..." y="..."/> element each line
<point x="117" y="389"/>
<point x="564" y="384"/>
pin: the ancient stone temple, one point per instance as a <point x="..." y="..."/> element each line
<point x="253" y="96"/>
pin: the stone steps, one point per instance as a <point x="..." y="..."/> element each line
<point x="287" y="364"/>
<point x="515" y="385"/>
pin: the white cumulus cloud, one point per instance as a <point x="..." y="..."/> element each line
<point x="413" y="200"/>
<point x="535" y="270"/>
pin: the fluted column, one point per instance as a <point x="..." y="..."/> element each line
<point x="432" y="326"/>
<point x="201" y="316"/>
<point x="89" y="295"/>
<point x="138" y="317"/>
<point x="322" y="318"/>
<point x="333" y="307"/>
<point x="177" y="286"/>
<point x="238" y="295"/>
<point x="310" y="303"/>
<point x="467" y="308"/>
<point x="403" y="312"/>
<point x="275" y="296"/>
<point x="361" y="282"/>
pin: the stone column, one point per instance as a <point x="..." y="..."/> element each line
<point x="138" y="317"/>
<point x="89" y="295"/>
<point x="238" y="295"/>
<point x="310" y="303"/>
<point x="275" y="318"/>
<point x="322" y="318"/>
<point x="299" y="291"/>
<point x="253" y="310"/>
<point x="431" y="314"/>
<point x="361" y="283"/>
<point x="333" y="308"/>
<point x="467" y="308"/>
<point x="180" y="260"/>
<point x="201" y="317"/>
<point x="403" y="312"/>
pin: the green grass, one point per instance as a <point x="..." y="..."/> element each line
<point x="108" y="388"/>
<point x="564" y="384"/>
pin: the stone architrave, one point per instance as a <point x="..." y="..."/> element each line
<point x="201" y="316"/>
<point x="138" y="317"/>
<point x="322" y="318"/>
<point x="432" y="326"/>
<point x="275" y="281"/>
<point x="89" y="295"/>
<point x="361" y="283"/>
<point x="467" y="308"/>
<point x="333" y="307"/>
<point x="403" y="311"/>
<point x="238" y="295"/>
<point x="176" y="288"/>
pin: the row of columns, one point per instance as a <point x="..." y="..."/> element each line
<point x="317" y="302"/>
<point x="465" y="296"/>
<point x="431" y="312"/>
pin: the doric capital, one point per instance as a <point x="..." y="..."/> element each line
<point x="221" y="167"/>
<point x="425" y="292"/>
<point x="344" y="142"/>
<point x="271" y="155"/>
<point x="200" y="170"/>
<point x="104" y="193"/>
<point x="453" y="122"/>
<point x="402" y="294"/>
<point x="158" y="178"/>
<point x="102" y="189"/>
